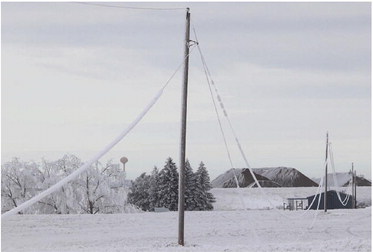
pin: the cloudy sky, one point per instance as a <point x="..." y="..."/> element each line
<point x="75" y="75"/>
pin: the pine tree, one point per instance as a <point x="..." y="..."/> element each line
<point x="190" y="187"/>
<point x="168" y="186"/>
<point x="154" y="189"/>
<point x="139" y="194"/>
<point x="203" y="186"/>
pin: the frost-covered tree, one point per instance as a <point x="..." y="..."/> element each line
<point x="101" y="189"/>
<point x="96" y="188"/>
<point x="190" y="188"/>
<point x="91" y="198"/>
<point x="66" y="199"/>
<point x="116" y="195"/>
<point x="20" y="181"/>
<point x="168" y="186"/>
<point x="203" y="186"/>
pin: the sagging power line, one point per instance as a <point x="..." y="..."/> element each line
<point x="130" y="7"/>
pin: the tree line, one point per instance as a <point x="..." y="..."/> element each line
<point x="160" y="189"/>
<point x="100" y="189"/>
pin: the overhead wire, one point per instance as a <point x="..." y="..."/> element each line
<point x="98" y="155"/>
<point x="345" y="201"/>
<point x="218" y="97"/>
<point x="209" y="80"/>
<point x="215" y="107"/>
<point x="128" y="7"/>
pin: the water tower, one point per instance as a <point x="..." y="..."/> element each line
<point x="124" y="160"/>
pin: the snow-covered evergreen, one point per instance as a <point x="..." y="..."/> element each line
<point x="168" y="186"/>
<point x="190" y="187"/>
<point x="139" y="194"/>
<point x="154" y="189"/>
<point x="162" y="189"/>
<point x="203" y="186"/>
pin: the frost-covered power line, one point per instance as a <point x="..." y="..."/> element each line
<point x="129" y="7"/>
<point x="86" y="165"/>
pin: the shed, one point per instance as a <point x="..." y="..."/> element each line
<point x="161" y="209"/>
<point x="332" y="200"/>
<point x="296" y="203"/>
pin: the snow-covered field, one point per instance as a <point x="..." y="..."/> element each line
<point x="235" y="230"/>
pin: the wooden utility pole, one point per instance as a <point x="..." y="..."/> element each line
<point x="355" y="182"/>
<point x="326" y="174"/>
<point x="183" y="131"/>
<point x="352" y="186"/>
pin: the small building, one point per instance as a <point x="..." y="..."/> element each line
<point x="161" y="209"/>
<point x="332" y="200"/>
<point x="296" y="204"/>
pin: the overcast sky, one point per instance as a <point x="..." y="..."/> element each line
<point x="75" y="75"/>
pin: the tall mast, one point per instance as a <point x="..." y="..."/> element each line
<point x="183" y="131"/>
<point x="326" y="173"/>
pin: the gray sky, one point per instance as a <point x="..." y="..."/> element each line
<point x="74" y="76"/>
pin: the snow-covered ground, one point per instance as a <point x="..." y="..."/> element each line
<point x="235" y="230"/>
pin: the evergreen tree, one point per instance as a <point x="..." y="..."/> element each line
<point x="190" y="187"/>
<point x="154" y="189"/>
<point x="168" y="186"/>
<point x="139" y="194"/>
<point x="203" y="186"/>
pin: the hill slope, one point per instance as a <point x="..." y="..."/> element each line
<point x="286" y="177"/>
<point x="344" y="179"/>
<point x="267" y="177"/>
<point x="245" y="179"/>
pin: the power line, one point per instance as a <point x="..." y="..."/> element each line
<point x="207" y="72"/>
<point x="87" y="165"/>
<point x="129" y="7"/>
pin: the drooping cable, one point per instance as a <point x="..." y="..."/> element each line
<point x="226" y="115"/>
<point x="316" y="213"/>
<point x="86" y="165"/>
<point x="218" y="97"/>
<point x="128" y="7"/>
<point x="345" y="201"/>
<point x="206" y="71"/>
<point x="318" y="207"/>
<point x="207" y="75"/>
<point x="236" y="137"/>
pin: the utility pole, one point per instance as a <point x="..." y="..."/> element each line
<point x="355" y="191"/>
<point x="326" y="174"/>
<point x="352" y="186"/>
<point x="183" y="131"/>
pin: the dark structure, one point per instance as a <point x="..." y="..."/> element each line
<point x="360" y="181"/>
<point x="245" y="179"/>
<point x="286" y="176"/>
<point x="332" y="200"/>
